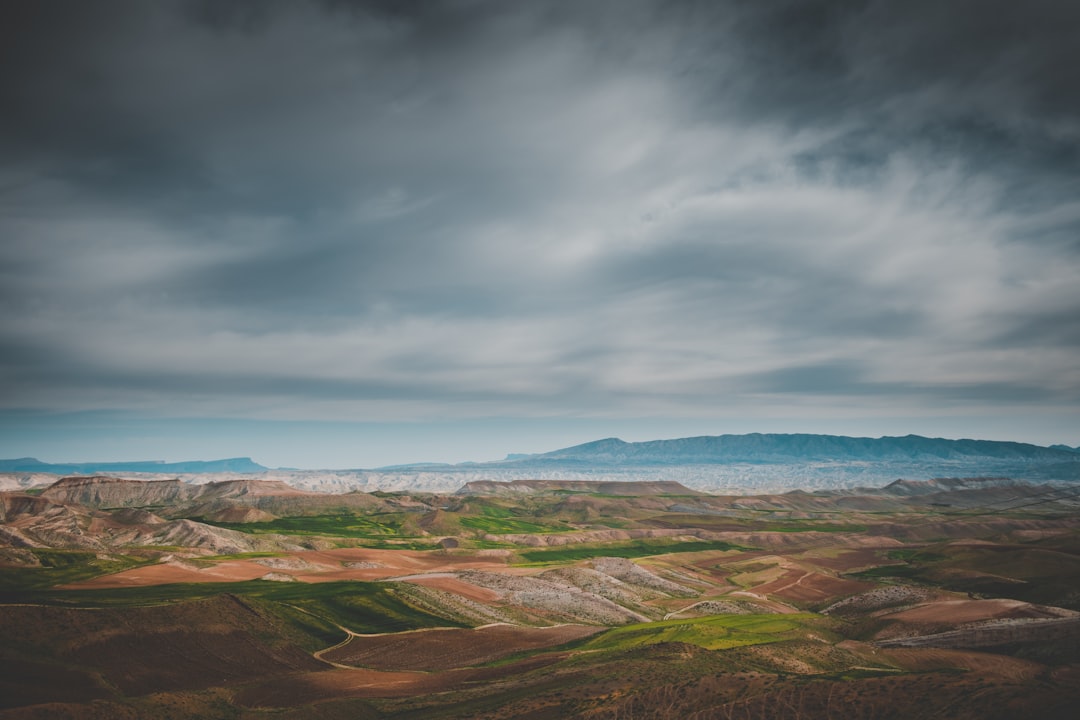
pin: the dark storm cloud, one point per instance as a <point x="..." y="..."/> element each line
<point x="922" y="64"/>
<point x="556" y="207"/>
<point x="988" y="84"/>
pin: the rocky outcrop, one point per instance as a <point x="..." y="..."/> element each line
<point x="13" y="481"/>
<point x="18" y="505"/>
<point x="109" y="492"/>
<point x="236" y="514"/>
<point x="191" y="534"/>
<point x="224" y="501"/>
<point x="554" y="597"/>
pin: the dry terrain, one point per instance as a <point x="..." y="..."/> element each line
<point x="539" y="599"/>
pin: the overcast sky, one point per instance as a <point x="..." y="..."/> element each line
<point x="357" y="233"/>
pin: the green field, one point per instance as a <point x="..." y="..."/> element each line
<point x="64" y="566"/>
<point x="488" y="516"/>
<point x="507" y="525"/>
<point x="380" y="526"/>
<point x="362" y="607"/>
<point x="717" y="632"/>
<point x="632" y="549"/>
<point x="385" y="527"/>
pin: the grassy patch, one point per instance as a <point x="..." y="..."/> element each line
<point x="505" y="525"/>
<point x="380" y="526"/>
<point x="917" y="555"/>
<point x="633" y="549"/>
<point x="717" y="632"/>
<point x="487" y="515"/>
<point x="905" y="572"/>
<point x="495" y="511"/>
<point x="59" y="567"/>
<point x="360" y="606"/>
<point x="758" y="524"/>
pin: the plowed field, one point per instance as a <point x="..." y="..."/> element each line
<point x="810" y="587"/>
<point x="430" y="650"/>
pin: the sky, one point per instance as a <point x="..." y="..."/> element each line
<point x="351" y="234"/>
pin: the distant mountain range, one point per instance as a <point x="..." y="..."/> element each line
<point x="761" y="462"/>
<point x="723" y="463"/>
<point x="233" y="465"/>
<point x="774" y="448"/>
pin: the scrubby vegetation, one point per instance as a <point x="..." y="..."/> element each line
<point x="340" y="525"/>
<point x="46" y="568"/>
<point x="632" y="549"/>
<point x="688" y="606"/>
<point x="717" y="632"/>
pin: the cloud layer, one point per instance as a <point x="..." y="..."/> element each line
<point x="411" y="211"/>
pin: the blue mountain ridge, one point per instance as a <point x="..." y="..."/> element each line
<point x="787" y="448"/>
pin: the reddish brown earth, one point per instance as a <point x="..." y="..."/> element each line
<point x="393" y="563"/>
<point x="958" y="696"/>
<point x="1001" y="667"/>
<point x="165" y="573"/>
<point x="383" y="564"/>
<point x="802" y="586"/>
<point x="312" y="687"/>
<point x="964" y="611"/>
<point x="214" y="642"/>
<point x="443" y="649"/>
<point x="849" y="560"/>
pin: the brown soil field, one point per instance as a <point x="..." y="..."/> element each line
<point x="305" y="688"/>
<point x="384" y="564"/>
<point x="403" y="562"/>
<point x="848" y="560"/>
<point x="801" y="586"/>
<point x="962" y="611"/>
<point x="165" y="573"/>
<point x="182" y="646"/>
<point x="28" y="682"/>
<point x="441" y="649"/>
<point x="1000" y="667"/>
<point x="312" y="687"/>
<point x="788" y="541"/>
<point x="963" y="696"/>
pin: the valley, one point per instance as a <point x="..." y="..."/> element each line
<point x="248" y="598"/>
